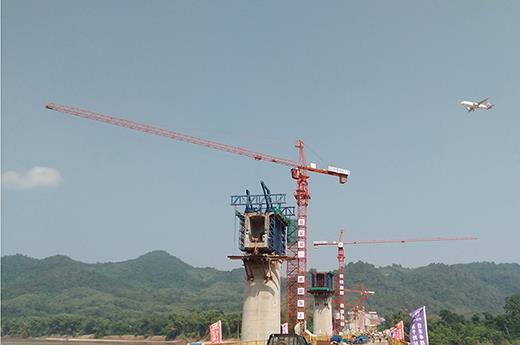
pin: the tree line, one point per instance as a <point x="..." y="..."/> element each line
<point x="192" y="326"/>
<point x="449" y="328"/>
<point x="446" y="328"/>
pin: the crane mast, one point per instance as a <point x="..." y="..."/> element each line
<point x="339" y="288"/>
<point x="339" y="283"/>
<point x="355" y="306"/>
<point x="296" y="282"/>
<point x="362" y="293"/>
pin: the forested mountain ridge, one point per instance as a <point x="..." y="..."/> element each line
<point x="464" y="288"/>
<point x="155" y="282"/>
<point x="160" y="284"/>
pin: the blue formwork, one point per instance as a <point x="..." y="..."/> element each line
<point x="330" y="280"/>
<point x="277" y="230"/>
<point x="322" y="280"/>
<point x="271" y="239"/>
<point x="241" y="219"/>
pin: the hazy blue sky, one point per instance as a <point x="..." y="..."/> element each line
<point x="371" y="86"/>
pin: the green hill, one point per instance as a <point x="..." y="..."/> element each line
<point x="158" y="283"/>
<point x="153" y="283"/>
<point x="462" y="288"/>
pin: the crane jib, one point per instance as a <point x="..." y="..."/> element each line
<point x="297" y="266"/>
<point x="341" y="173"/>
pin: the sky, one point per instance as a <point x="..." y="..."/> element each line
<point x="370" y="86"/>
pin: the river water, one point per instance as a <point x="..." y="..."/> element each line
<point x="17" y="341"/>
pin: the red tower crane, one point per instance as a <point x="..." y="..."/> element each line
<point x="296" y="283"/>
<point x="339" y="282"/>
<point x="339" y="287"/>
<point x="361" y="302"/>
<point x="362" y="294"/>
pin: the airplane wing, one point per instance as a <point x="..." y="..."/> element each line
<point x="482" y="101"/>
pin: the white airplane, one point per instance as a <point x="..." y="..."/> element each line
<point x="471" y="106"/>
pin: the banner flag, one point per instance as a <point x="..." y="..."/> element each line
<point x="215" y="330"/>
<point x="399" y="331"/>
<point x="419" y="327"/>
<point x="285" y="328"/>
<point x="391" y="332"/>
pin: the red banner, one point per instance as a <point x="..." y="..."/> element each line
<point x="399" y="331"/>
<point x="215" y="330"/>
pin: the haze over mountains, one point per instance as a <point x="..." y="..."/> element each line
<point x="160" y="283"/>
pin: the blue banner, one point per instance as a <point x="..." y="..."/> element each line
<point x="419" y="327"/>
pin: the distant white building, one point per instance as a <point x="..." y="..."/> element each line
<point x="363" y="322"/>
